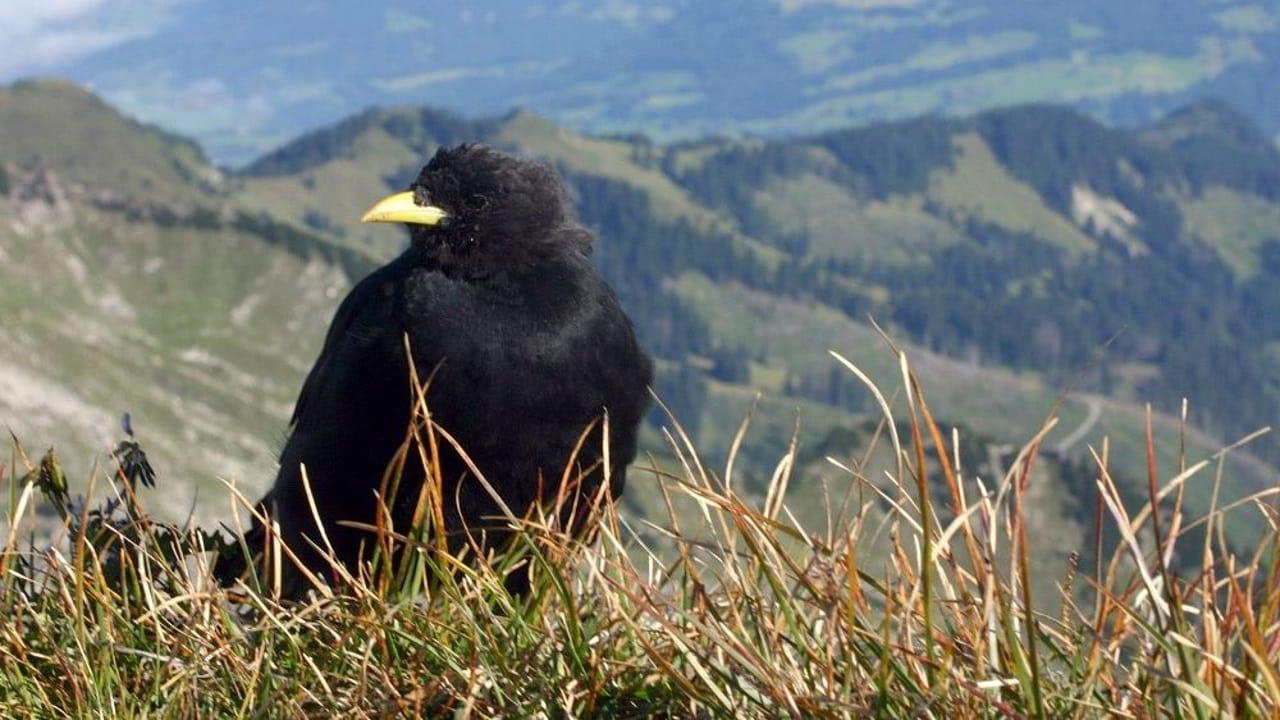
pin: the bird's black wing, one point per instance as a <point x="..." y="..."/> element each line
<point x="236" y="558"/>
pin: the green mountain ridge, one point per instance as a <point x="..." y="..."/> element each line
<point x="1003" y="250"/>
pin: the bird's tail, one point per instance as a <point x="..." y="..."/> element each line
<point x="237" y="556"/>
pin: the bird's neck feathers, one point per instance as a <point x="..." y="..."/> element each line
<point x="477" y="257"/>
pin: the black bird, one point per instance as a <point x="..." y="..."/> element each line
<point x="524" y="344"/>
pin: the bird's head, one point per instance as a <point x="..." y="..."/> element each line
<point x="476" y="211"/>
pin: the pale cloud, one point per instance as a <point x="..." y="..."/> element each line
<point x="39" y="37"/>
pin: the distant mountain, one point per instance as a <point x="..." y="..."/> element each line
<point x="244" y="76"/>
<point x="129" y="283"/>
<point x="1003" y="250"/>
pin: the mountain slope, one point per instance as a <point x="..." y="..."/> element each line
<point x="197" y="303"/>
<point x="128" y="284"/>
<point x="52" y="123"/>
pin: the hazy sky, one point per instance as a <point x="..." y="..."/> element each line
<point x="38" y="36"/>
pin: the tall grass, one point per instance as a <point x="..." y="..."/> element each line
<point x="913" y="599"/>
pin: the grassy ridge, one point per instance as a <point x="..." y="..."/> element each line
<point x="911" y="599"/>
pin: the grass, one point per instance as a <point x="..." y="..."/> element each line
<point x="838" y="224"/>
<point x="910" y="600"/>
<point x="1234" y="224"/>
<point x="980" y="187"/>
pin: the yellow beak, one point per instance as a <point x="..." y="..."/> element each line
<point x="400" y="208"/>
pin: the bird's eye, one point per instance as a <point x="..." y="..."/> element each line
<point x="477" y="202"/>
